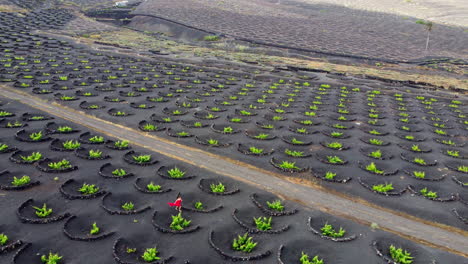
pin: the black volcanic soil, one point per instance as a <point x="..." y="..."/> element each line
<point x="328" y="29"/>
<point x="50" y="237"/>
<point x="266" y="111"/>
<point x="128" y="90"/>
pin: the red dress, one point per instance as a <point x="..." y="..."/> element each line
<point x="177" y="203"/>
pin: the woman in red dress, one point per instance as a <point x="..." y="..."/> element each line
<point x="177" y="203"/>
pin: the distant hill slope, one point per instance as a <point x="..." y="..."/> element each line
<point x="318" y="27"/>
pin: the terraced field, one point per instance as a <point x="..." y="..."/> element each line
<point x="319" y="27"/>
<point x="98" y="176"/>
<point x="396" y="148"/>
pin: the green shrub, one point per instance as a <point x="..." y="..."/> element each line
<point x="296" y="141"/>
<point x="21" y="181"/>
<point x="36" y="136"/>
<point x="211" y="38"/>
<point x="302" y="130"/>
<point x="373" y="168"/>
<point x="328" y="230"/>
<point x="142" y="158"/>
<point x="330" y="175"/>
<point x="453" y="153"/>
<point x="383" y="188"/>
<point x="217" y="188"/>
<point x="64" y="129"/>
<point x="130" y="250"/>
<point x="263" y="223"/>
<point x="150" y="255"/>
<point x="256" y="150"/>
<point x="336" y="134"/>
<point x="376" y="154"/>
<point x="67" y="98"/>
<point x="37" y="118"/>
<point x="51" y="258"/>
<point x="415" y="148"/>
<point x="149" y="127"/>
<point x="463" y="169"/>
<point x="88" y="189"/>
<point x="42" y="212"/>
<point x="35" y="156"/>
<point x="400" y="256"/>
<point x="95" y="153"/>
<point x="419" y="174"/>
<point x="3" y="239"/>
<point x="94" y="229"/>
<point x="294" y="153"/>
<point x="59" y="165"/>
<point x="339" y="126"/>
<point x="121" y="144"/>
<point x="14" y="124"/>
<point x="96" y="139"/>
<point x="375" y="141"/>
<point x="153" y="187"/>
<point x="374" y="132"/>
<point x="213" y="142"/>
<point x="5" y="113"/>
<point x="228" y="130"/>
<point x="440" y="132"/>
<point x="176" y="173"/>
<point x="288" y="165"/>
<point x="179" y="223"/>
<point x="118" y="113"/>
<point x="70" y="144"/>
<point x="334" y="159"/>
<point x="262" y="136"/>
<point x="275" y="205"/>
<point x="119" y="172"/>
<point x="198" y="205"/>
<point x="448" y="142"/>
<point x="245" y="113"/>
<point x="305" y="259"/>
<point x="430" y="194"/>
<point x="244" y="243"/>
<point x="335" y="145"/>
<point x="128" y="206"/>
<point x="159" y="99"/>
